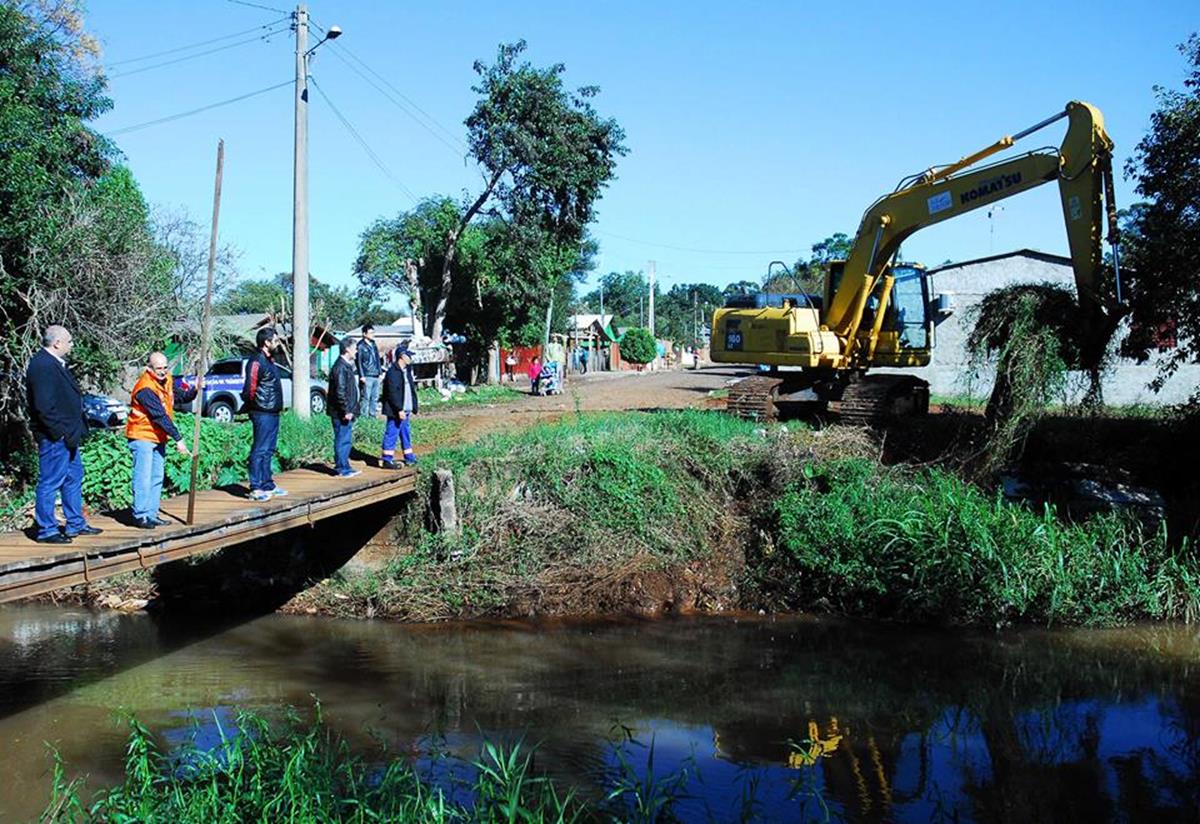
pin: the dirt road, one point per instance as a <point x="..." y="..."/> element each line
<point x="672" y="389"/>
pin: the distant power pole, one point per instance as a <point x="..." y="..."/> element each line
<point x="695" y="318"/>
<point x="300" y="363"/>
<point x="602" y="303"/>
<point x="641" y="303"/>
<point x="650" y="303"/>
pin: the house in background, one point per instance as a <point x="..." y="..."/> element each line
<point x="966" y="283"/>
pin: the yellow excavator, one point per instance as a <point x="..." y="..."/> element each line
<point x="876" y="312"/>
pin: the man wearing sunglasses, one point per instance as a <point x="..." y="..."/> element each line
<point x="150" y="426"/>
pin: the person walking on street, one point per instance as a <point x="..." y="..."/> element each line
<point x="370" y="369"/>
<point x="399" y="405"/>
<point x="263" y="397"/>
<point x="510" y="364"/>
<point x="583" y="360"/>
<point x="342" y="406"/>
<point x="150" y="426"/>
<point x="56" y="416"/>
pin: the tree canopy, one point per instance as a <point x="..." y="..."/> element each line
<point x="1162" y="235"/>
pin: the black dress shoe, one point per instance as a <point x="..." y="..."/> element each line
<point x="144" y="523"/>
<point x="87" y="530"/>
<point x="58" y="538"/>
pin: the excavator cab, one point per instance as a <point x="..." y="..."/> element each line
<point x="906" y="334"/>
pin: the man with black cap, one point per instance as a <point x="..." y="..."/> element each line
<point x="342" y="406"/>
<point x="399" y="405"/>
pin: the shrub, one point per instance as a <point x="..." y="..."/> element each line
<point x="638" y="346"/>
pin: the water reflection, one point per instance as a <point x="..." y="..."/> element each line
<point x="790" y="719"/>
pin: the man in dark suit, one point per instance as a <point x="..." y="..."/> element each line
<point x="56" y="417"/>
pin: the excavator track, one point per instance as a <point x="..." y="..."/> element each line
<point x="753" y="398"/>
<point x="876" y="399"/>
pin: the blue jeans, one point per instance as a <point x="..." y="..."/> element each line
<point x="148" y="459"/>
<point x="60" y="470"/>
<point x="262" y="449"/>
<point x="343" y="438"/>
<point x="368" y="404"/>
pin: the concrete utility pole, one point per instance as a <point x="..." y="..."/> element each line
<point x="300" y="362"/>
<point x="650" y="302"/>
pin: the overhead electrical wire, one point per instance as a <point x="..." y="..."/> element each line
<point x="197" y="54"/>
<point x="190" y="112"/>
<point x="379" y="164"/>
<point x="260" y="6"/>
<point x="177" y="49"/>
<point x="701" y="251"/>
<point x="396" y="97"/>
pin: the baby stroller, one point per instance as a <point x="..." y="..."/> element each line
<point x="550" y="381"/>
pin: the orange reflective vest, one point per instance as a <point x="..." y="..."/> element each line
<point x="139" y="427"/>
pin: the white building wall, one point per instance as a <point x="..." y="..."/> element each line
<point x="1125" y="382"/>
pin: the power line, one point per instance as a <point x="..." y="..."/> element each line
<point x="379" y="164"/>
<point x="404" y="103"/>
<point x="702" y="251"/>
<point x="458" y="151"/>
<point x="197" y="54"/>
<point x="453" y="138"/>
<point x="191" y="112"/>
<point x="260" y="6"/>
<point x="197" y="45"/>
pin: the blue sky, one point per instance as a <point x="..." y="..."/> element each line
<point x="754" y="129"/>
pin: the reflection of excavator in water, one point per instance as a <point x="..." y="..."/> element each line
<point x="878" y="314"/>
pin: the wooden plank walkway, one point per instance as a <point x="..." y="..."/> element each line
<point x="224" y="517"/>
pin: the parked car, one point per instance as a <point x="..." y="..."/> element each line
<point x="103" y="412"/>
<point x="223" y="390"/>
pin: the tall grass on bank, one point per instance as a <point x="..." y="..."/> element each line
<point x="925" y="546"/>
<point x="562" y="518"/>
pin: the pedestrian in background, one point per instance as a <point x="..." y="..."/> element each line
<point x="370" y="369"/>
<point x="399" y="405"/>
<point x="262" y="395"/>
<point x="583" y="360"/>
<point x="342" y="405"/>
<point x="510" y="365"/>
<point x="535" y="374"/>
<point x="150" y="426"/>
<point x="56" y="416"/>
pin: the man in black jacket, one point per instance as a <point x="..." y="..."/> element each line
<point x="399" y="405"/>
<point x="370" y="368"/>
<point x="262" y="395"/>
<point x="56" y="416"/>
<point x="342" y="406"/>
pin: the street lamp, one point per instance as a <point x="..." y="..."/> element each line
<point x="300" y="312"/>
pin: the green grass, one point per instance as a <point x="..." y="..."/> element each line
<point x="304" y="773"/>
<point x="432" y="401"/>
<point x="925" y="546"/>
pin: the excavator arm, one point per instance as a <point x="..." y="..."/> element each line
<point x="1083" y="168"/>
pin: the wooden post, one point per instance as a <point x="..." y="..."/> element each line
<point x="202" y="366"/>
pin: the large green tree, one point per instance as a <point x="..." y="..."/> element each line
<point x="625" y="296"/>
<point x="77" y="245"/>
<point x="684" y="312"/>
<point x="1162" y="235"/>
<point x="489" y="266"/>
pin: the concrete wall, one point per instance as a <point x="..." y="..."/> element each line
<point x="1124" y="383"/>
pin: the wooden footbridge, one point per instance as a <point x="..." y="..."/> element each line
<point x="223" y="518"/>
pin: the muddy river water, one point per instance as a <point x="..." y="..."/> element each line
<point x="784" y="719"/>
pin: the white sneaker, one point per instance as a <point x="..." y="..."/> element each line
<point x="260" y="495"/>
<point x="351" y="474"/>
<point x="278" y="492"/>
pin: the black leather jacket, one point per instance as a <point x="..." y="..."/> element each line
<point x="262" y="391"/>
<point x="343" y="390"/>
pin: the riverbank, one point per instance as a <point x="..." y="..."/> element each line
<point x="692" y="511"/>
